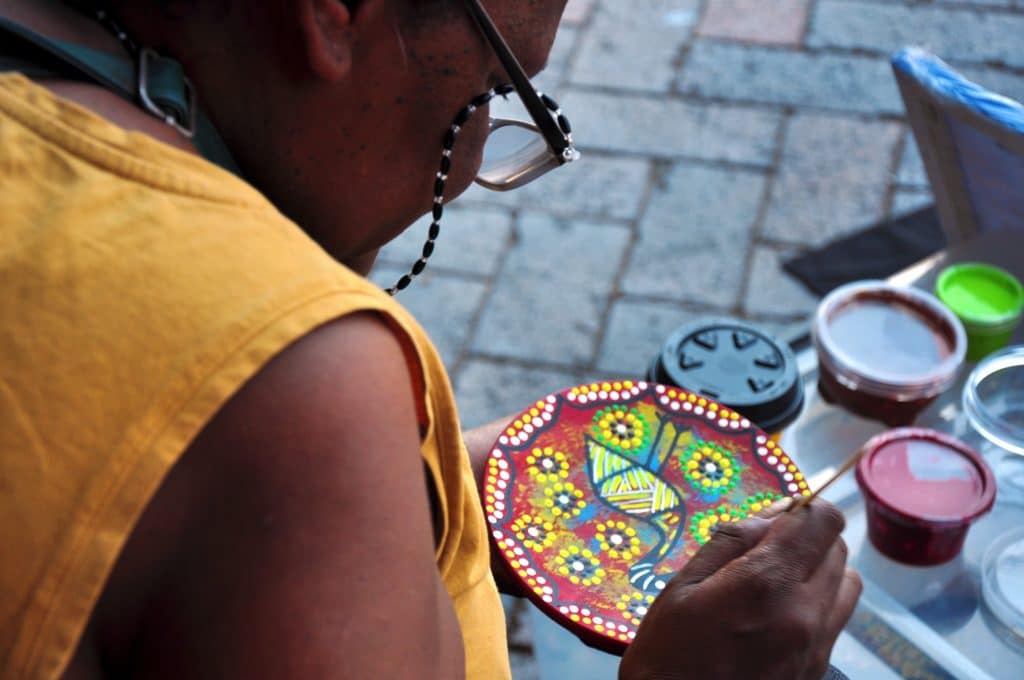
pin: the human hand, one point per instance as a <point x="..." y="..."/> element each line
<point x="765" y="598"/>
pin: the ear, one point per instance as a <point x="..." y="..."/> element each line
<point x="326" y="27"/>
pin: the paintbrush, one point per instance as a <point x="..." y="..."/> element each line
<point x="845" y="467"/>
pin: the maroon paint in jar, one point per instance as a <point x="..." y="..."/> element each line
<point x="886" y="352"/>
<point x="922" y="490"/>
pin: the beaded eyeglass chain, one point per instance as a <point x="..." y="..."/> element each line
<point x="446" y="163"/>
<point x="106" y="19"/>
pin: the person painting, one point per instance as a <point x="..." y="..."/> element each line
<point x="223" y="452"/>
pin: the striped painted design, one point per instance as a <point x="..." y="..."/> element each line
<point x="628" y="486"/>
<point x="605" y="463"/>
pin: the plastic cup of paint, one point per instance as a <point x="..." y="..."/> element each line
<point x="922" y="490"/>
<point x="886" y="352"/>
<point x="988" y="300"/>
<point x="737" y="365"/>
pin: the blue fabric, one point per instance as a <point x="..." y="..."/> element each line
<point x="936" y="76"/>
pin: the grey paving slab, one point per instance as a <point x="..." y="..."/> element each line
<point x="668" y="128"/>
<point x="911" y="172"/>
<point x="832" y="179"/>
<point x="694" y="237"/>
<point x="909" y="200"/>
<point x="604" y="187"/>
<point x="634" y="46"/>
<point x="635" y="333"/>
<point x="519" y="634"/>
<point x="966" y="35"/>
<point x="487" y="390"/>
<point x="520" y="638"/>
<point x="790" y="77"/>
<point x="549" y="298"/>
<point x="779" y="22"/>
<point x="524" y="665"/>
<point x="444" y="305"/>
<point x="773" y="292"/>
<point x="472" y="240"/>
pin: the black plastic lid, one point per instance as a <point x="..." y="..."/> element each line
<point x="736" y="364"/>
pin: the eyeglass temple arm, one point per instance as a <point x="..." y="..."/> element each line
<point x="539" y="112"/>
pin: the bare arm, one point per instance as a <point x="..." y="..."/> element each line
<point x="307" y="550"/>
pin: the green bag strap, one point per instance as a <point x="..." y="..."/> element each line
<point x="157" y="84"/>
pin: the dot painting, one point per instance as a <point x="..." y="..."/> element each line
<point x="597" y="495"/>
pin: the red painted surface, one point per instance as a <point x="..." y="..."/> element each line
<point x="597" y="495"/>
<point x="925" y="479"/>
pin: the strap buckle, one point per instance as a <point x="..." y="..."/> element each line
<point x="168" y="115"/>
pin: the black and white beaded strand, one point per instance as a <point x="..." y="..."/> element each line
<point x="446" y="163"/>
<point x="103" y="17"/>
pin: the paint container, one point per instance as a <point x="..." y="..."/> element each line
<point x="988" y="301"/>
<point x="993" y="410"/>
<point x="922" y="490"/>
<point x="993" y="399"/>
<point x="1002" y="580"/>
<point x="737" y="365"/>
<point x="885" y="352"/>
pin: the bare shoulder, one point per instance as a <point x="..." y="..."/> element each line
<point x="299" y="530"/>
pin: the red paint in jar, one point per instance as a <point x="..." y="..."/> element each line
<point x="885" y="352"/>
<point x="922" y="490"/>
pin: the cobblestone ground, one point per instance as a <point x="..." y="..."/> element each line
<point x="719" y="138"/>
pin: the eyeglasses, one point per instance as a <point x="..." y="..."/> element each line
<point x="518" y="152"/>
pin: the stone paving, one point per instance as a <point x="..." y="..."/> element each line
<point x="719" y="137"/>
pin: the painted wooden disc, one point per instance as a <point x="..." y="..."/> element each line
<point x="597" y="495"/>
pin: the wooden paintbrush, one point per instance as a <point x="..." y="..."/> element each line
<point x="845" y="467"/>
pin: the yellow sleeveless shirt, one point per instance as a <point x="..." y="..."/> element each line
<point x="140" y="287"/>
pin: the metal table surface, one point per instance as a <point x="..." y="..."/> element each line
<point x="920" y="622"/>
